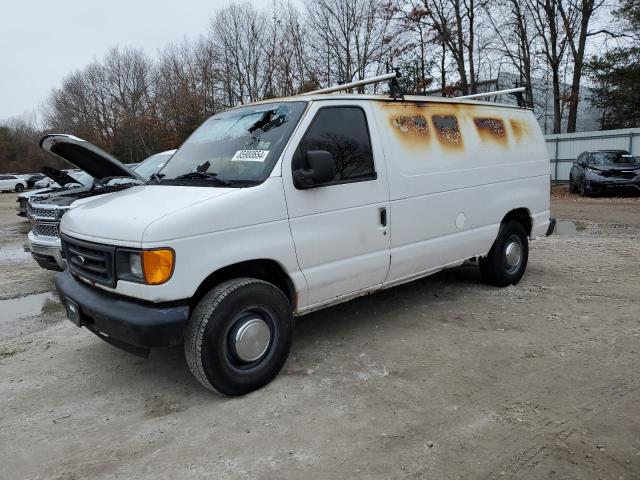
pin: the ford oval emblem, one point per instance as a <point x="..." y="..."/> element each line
<point x="80" y="259"/>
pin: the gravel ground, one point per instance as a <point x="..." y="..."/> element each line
<point x="443" y="378"/>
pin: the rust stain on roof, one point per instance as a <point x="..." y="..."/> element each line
<point x="520" y="129"/>
<point x="448" y="130"/>
<point x="409" y="123"/>
<point x="491" y="129"/>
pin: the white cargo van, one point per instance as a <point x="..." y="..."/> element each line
<point x="283" y="207"/>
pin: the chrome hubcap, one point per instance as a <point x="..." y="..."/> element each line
<point x="513" y="254"/>
<point x="251" y="338"/>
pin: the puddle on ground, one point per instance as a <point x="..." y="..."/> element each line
<point x="565" y="227"/>
<point x="24" y="228"/>
<point x="22" y="315"/>
<point x="21" y="228"/>
<point x="14" y="254"/>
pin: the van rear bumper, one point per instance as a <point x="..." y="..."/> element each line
<point x="130" y="325"/>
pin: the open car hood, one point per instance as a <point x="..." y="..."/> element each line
<point x="86" y="156"/>
<point x="58" y="176"/>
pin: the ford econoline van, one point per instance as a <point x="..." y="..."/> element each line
<point x="282" y="207"/>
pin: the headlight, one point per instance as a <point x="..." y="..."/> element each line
<point x="135" y="265"/>
<point x="152" y="267"/>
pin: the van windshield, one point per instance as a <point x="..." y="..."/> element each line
<point x="236" y="148"/>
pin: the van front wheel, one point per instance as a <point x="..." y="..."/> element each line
<point x="239" y="336"/>
<point x="507" y="260"/>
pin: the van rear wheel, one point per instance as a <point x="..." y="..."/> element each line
<point x="239" y="336"/>
<point x="507" y="260"/>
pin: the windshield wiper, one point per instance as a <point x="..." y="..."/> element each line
<point x="213" y="177"/>
<point x="156" y="177"/>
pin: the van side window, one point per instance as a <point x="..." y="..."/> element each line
<point x="447" y="128"/>
<point x="343" y="132"/>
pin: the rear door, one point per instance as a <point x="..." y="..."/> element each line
<point x="340" y="228"/>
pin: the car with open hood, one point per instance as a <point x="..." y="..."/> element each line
<point x="599" y="171"/>
<point x="59" y="181"/>
<point x="100" y="174"/>
<point x="287" y="206"/>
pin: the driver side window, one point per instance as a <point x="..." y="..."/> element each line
<point x="343" y="132"/>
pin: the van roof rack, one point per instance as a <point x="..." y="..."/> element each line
<point x="394" y="88"/>
<point x="495" y="93"/>
<point x="393" y="76"/>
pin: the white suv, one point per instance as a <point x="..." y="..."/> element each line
<point x="12" y="183"/>
<point x="287" y="206"/>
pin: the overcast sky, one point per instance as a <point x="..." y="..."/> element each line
<point x="43" y="40"/>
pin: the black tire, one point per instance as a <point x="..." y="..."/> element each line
<point x="19" y="188"/>
<point x="495" y="268"/>
<point x="209" y="346"/>
<point x="584" y="191"/>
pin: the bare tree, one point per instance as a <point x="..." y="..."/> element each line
<point x="353" y="37"/>
<point x="576" y="17"/>
<point x="516" y="37"/>
<point x="547" y="23"/>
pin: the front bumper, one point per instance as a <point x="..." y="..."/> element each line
<point x="598" y="183"/>
<point x="125" y="323"/>
<point x="47" y="252"/>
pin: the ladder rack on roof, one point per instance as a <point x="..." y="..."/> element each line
<point x="357" y="83"/>
<point x="495" y="93"/>
<point x="393" y="76"/>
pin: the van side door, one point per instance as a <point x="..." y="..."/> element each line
<point x="340" y="227"/>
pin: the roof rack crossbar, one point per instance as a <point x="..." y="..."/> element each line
<point x="495" y="93"/>
<point x="357" y="83"/>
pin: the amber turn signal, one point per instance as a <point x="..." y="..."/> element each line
<point x="157" y="265"/>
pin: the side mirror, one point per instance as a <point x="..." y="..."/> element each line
<point x="321" y="169"/>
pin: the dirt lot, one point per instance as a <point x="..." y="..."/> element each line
<point x="444" y="378"/>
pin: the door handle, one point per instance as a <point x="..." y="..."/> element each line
<point x="383" y="216"/>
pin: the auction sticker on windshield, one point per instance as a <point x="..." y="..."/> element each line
<point x="250" y="156"/>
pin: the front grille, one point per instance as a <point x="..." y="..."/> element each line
<point x="45" y="229"/>
<point x="93" y="261"/>
<point x="40" y="212"/>
<point x="614" y="174"/>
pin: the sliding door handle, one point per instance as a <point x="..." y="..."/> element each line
<point x="383" y="216"/>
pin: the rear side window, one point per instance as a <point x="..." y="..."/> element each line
<point x="447" y="128"/>
<point x="343" y="132"/>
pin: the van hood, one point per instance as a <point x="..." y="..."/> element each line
<point x="122" y="217"/>
<point x="86" y="156"/>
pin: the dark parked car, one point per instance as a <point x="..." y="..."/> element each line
<point x="32" y="179"/>
<point x="604" y="170"/>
